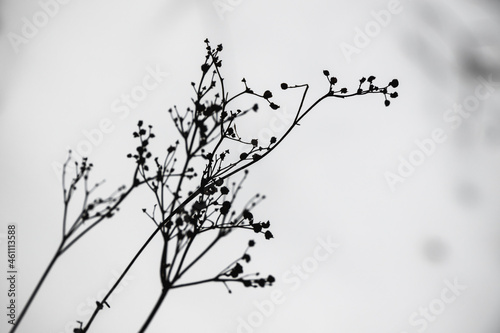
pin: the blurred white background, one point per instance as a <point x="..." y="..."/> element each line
<point x="400" y="246"/>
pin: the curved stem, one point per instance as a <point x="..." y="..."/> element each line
<point x="38" y="286"/>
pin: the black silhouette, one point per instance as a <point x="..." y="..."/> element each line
<point x="192" y="183"/>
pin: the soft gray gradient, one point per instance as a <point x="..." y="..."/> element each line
<point x="396" y="248"/>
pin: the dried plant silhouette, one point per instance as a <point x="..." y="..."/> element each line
<point x="194" y="196"/>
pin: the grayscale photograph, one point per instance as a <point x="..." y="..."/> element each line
<point x="237" y="166"/>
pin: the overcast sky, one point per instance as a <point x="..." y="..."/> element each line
<point x="406" y="196"/>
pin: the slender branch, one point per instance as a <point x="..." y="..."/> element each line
<point x="180" y="272"/>
<point x="38" y="286"/>
<point x="206" y="117"/>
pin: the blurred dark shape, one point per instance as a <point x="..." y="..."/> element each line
<point x="435" y="250"/>
<point x="429" y="45"/>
